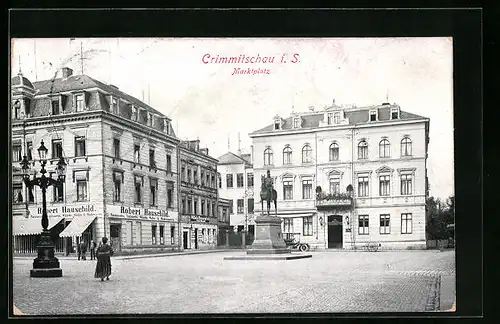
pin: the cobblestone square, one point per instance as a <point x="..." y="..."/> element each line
<point x="330" y="282"/>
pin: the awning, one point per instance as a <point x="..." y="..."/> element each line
<point x="77" y="226"/>
<point x="32" y="226"/>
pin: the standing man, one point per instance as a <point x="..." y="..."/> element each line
<point x="92" y="250"/>
<point x="83" y="249"/>
<point x="78" y="250"/>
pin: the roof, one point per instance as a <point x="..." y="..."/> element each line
<point x="231" y="158"/>
<point x="82" y="82"/>
<point x="355" y="116"/>
<point x="21" y="80"/>
<point x="247" y="157"/>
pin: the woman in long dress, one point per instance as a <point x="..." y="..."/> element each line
<point x="103" y="267"/>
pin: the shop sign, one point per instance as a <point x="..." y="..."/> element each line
<point x="200" y="219"/>
<point x="66" y="211"/>
<point x="142" y="213"/>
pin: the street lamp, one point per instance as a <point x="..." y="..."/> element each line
<point x="46" y="264"/>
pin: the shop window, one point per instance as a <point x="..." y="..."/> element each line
<point x="307" y="226"/>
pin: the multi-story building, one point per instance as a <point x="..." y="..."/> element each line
<point x="348" y="176"/>
<point x="223" y="225"/>
<point x="121" y="156"/>
<point x="198" y="199"/>
<point x="236" y="183"/>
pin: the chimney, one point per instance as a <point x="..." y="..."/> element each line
<point x="66" y="72"/>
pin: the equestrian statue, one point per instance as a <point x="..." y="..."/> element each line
<point x="268" y="193"/>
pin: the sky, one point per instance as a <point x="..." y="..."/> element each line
<point x="208" y="102"/>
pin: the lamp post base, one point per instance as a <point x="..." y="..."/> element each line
<point x="46" y="265"/>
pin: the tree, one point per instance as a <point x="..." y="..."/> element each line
<point x="435" y="223"/>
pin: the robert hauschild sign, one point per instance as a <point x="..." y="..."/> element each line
<point x="144" y="213"/>
<point x="67" y="210"/>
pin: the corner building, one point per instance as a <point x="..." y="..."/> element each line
<point x="348" y="176"/>
<point x="121" y="154"/>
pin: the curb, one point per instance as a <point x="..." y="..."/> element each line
<point x="169" y="254"/>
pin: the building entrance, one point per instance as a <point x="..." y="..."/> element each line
<point x="115" y="231"/>
<point x="185" y="240"/>
<point x="335" y="232"/>
<point x="195" y="238"/>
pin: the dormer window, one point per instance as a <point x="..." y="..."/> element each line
<point x="373" y="115"/>
<point x="166" y="126"/>
<point x="395" y="113"/>
<point x="336" y="118"/>
<point x="17" y="109"/>
<point x="153" y="120"/>
<point x="296" y="122"/>
<point x="114" y="105"/>
<point x="276" y="124"/>
<point x="55" y="106"/>
<point x="149" y="118"/>
<point x="79" y="102"/>
<point x="329" y="118"/>
<point x="134" y="113"/>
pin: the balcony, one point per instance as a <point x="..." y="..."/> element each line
<point x="333" y="201"/>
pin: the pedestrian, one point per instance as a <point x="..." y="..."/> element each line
<point x="92" y="250"/>
<point x="78" y="251"/>
<point x="83" y="249"/>
<point x="103" y="266"/>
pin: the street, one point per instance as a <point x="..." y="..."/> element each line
<point x="399" y="281"/>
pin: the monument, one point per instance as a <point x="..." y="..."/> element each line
<point x="268" y="243"/>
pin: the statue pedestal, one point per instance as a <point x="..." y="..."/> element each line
<point x="268" y="236"/>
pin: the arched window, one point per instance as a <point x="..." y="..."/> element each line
<point x="363" y="150"/>
<point x="306" y="154"/>
<point x="334" y="152"/>
<point x="268" y="156"/>
<point x="406" y="146"/>
<point x="384" y="148"/>
<point x="287" y="155"/>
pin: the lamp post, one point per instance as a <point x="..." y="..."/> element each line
<point x="45" y="264"/>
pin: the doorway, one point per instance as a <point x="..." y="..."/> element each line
<point x="335" y="232"/>
<point x="115" y="231"/>
<point x="196" y="238"/>
<point x="185" y="240"/>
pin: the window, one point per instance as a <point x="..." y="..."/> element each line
<point x="296" y="122"/>
<point x="137" y="154"/>
<point x="329" y="118"/>
<point x="17" y="109"/>
<point x="29" y="152"/>
<point x="152" y="158"/>
<point x="363" y="225"/>
<point x="373" y="115"/>
<point x="288" y="225"/>
<point x="384" y="148"/>
<point x="287" y="155"/>
<point x="169" y="195"/>
<point x="80" y="103"/>
<point x="240" y="205"/>
<point x="134" y="113"/>
<point x="138" y="189"/>
<point x="384" y="185"/>
<point x="195" y="176"/>
<point x="307" y="226"/>
<point x="406" y="185"/>
<point x="116" y="148"/>
<point x="208" y="208"/>
<point x="306" y="154"/>
<point x="139" y="233"/>
<point x="57" y="150"/>
<point x="250" y="205"/>
<point x="189" y="175"/>
<point x="406" y="146"/>
<point x="55" y="106"/>
<point x="212" y="183"/>
<point x="80" y="146"/>
<point x="213" y="209"/>
<point x="219" y="178"/>
<point x="363" y="186"/>
<point x="169" y="163"/>
<point x="250" y="180"/>
<point x="172" y="234"/>
<point x="334" y="152"/>
<point x="363" y="150"/>
<point x="239" y="180"/>
<point x="195" y="209"/>
<point x="406" y="224"/>
<point x="153" y="188"/>
<point x="114" y="105"/>
<point x="153" y="234"/>
<point x="336" y="118"/>
<point x="394" y="113"/>
<point x="335" y="186"/>
<point x="385" y="227"/>
<point x="18" y="192"/>
<point x="229" y="180"/>
<point x="117" y="181"/>
<point x="184" y="205"/>
<point x="276" y="124"/>
<point x="81" y="190"/>
<point x="150" y="118"/>
<point x="306" y="189"/>
<point x="183" y="173"/>
<point x="162" y="234"/>
<point x="203" y="207"/>
<point x="202" y="177"/>
<point x="287" y="189"/>
<point x="231" y="208"/>
<point x="268" y="156"/>
<point x="17" y="153"/>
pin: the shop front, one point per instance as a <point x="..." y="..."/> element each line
<point x="199" y="232"/>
